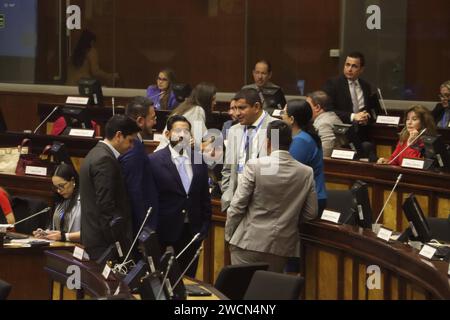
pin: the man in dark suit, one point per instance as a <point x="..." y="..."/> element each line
<point x="350" y="99"/>
<point x="136" y="169"/>
<point x="183" y="193"/>
<point x="102" y="189"/>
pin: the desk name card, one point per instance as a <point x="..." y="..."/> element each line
<point x="413" y="163"/>
<point x="427" y="251"/>
<point x="119" y="249"/>
<point x="80" y="254"/>
<point x="331" y="216"/>
<point x="343" y="154"/>
<point x="89" y="133"/>
<point x="36" y="171"/>
<point x="106" y="271"/>
<point x="390" y="120"/>
<point x="384" y="234"/>
<point x="78" y="100"/>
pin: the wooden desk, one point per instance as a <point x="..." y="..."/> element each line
<point x="336" y="258"/>
<point x="23" y="268"/>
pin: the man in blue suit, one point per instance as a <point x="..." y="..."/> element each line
<point x="136" y="169"/>
<point x="183" y="193"/>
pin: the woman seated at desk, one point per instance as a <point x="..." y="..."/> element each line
<point x="417" y="119"/>
<point x="5" y="207"/>
<point x="161" y="94"/>
<point x="66" y="221"/>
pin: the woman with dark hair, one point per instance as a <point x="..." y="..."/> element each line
<point x="161" y="94"/>
<point x="409" y="146"/>
<point x="66" y="220"/>
<point x="306" y="146"/>
<point x="84" y="61"/>
<point x="196" y="108"/>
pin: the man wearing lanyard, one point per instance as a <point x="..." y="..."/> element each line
<point x="246" y="140"/>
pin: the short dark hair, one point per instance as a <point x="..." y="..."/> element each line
<point x="250" y="95"/>
<point x="122" y="123"/>
<point x="284" y="133"/>
<point x="266" y="62"/>
<point x="358" y="55"/>
<point x="176" y="118"/>
<point x="138" y="107"/>
<point x="321" y="98"/>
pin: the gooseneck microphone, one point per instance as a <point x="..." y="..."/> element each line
<point x="408" y="145"/>
<point x="45" y="120"/>
<point x="188" y="245"/>
<point x="389" y="197"/>
<point x="32" y="216"/>
<point x="188" y="266"/>
<point x="166" y="274"/>
<point x="383" y="105"/>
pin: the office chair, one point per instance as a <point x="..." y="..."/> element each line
<point x="440" y="228"/>
<point x="23" y="207"/>
<point x="342" y="201"/>
<point x="5" y="289"/>
<point x="233" y="280"/>
<point x="266" y="285"/>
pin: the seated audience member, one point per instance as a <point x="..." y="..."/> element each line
<point x="441" y="111"/>
<point x="195" y="109"/>
<point x="228" y="124"/>
<point x="5" y="206"/>
<point x="324" y="120"/>
<point x="66" y="220"/>
<point x="275" y="193"/>
<point x="417" y="119"/>
<point x="161" y="94"/>
<point x="306" y="146"/>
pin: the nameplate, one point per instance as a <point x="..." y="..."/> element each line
<point x="343" y="154"/>
<point x="37" y="171"/>
<point x="106" y="271"/>
<point x="331" y="216"/>
<point x="5" y="227"/>
<point x="276" y="113"/>
<point x="117" y="291"/>
<point x="157" y="137"/>
<point x="119" y="249"/>
<point x="384" y="234"/>
<point x="89" y="133"/>
<point x="413" y="163"/>
<point x="388" y="120"/>
<point x="427" y="251"/>
<point x="78" y="100"/>
<point x="80" y="254"/>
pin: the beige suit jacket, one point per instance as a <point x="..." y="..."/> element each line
<point x="273" y="196"/>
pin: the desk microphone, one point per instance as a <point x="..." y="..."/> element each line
<point x="166" y="274"/>
<point x="45" y="120"/>
<point x="383" y="105"/>
<point x="408" y="145"/>
<point x="32" y="216"/>
<point x="387" y="201"/>
<point x="188" y="266"/>
<point x="188" y="245"/>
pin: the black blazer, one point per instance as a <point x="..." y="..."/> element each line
<point x="174" y="203"/>
<point x="438" y="112"/>
<point x="341" y="99"/>
<point x="103" y="198"/>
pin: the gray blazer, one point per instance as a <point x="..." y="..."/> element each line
<point x="273" y="196"/>
<point x="233" y="149"/>
<point x="324" y="125"/>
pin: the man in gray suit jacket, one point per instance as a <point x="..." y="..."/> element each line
<point x="246" y="140"/>
<point x="103" y="192"/>
<point x="274" y="194"/>
<point x="324" y="121"/>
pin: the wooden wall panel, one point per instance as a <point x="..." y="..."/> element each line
<point x="328" y="281"/>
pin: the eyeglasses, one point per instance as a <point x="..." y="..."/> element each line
<point x="444" y="96"/>
<point x="60" y="187"/>
<point x="162" y="79"/>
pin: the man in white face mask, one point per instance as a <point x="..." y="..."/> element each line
<point x="183" y="193"/>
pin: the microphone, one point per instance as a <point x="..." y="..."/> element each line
<point x="408" y="145"/>
<point x="32" y="216"/>
<point x="188" y="245"/>
<point x="169" y="266"/>
<point x="188" y="266"/>
<point x="45" y="120"/>
<point x="375" y="226"/>
<point x="383" y="106"/>
<point x="113" y="106"/>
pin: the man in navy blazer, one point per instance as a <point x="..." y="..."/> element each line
<point x="136" y="169"/>
<point x="183" y="196"/>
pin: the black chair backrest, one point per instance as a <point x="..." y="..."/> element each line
<point x="440" y="229"/>
<point x="233" y="280"/>
<point x="24" y="207"/>
<point x="342" y="201"/>
<point x="266" y="285"/>
<point x="5" y="289"/>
